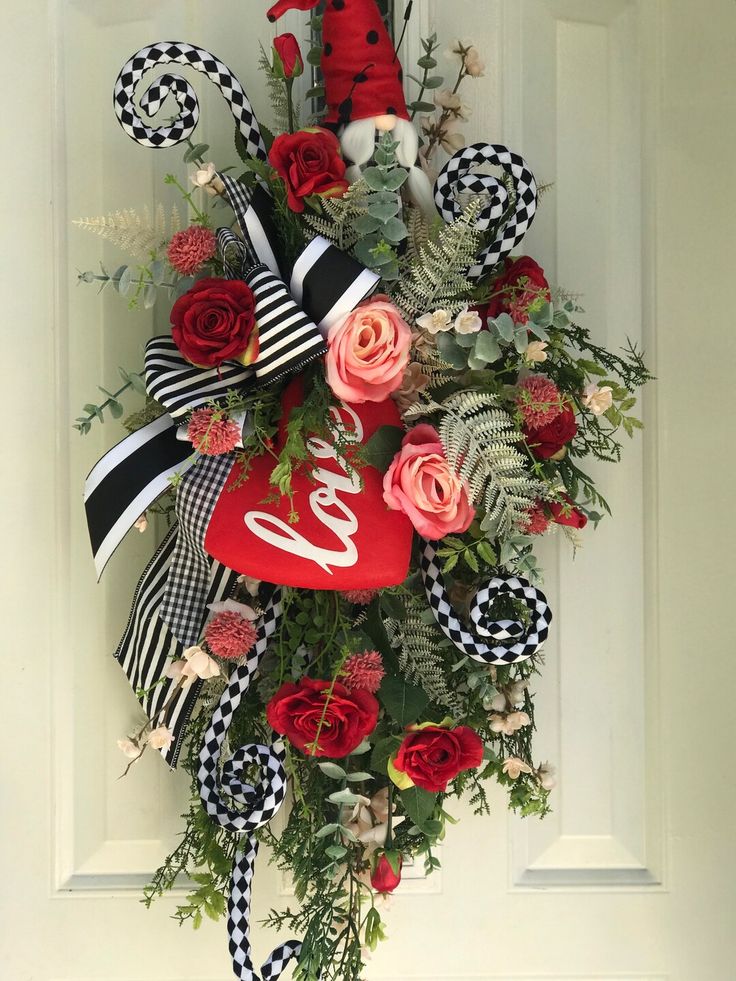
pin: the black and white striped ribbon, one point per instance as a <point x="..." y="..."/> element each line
<point x="127" y="480"/>
<point x="185" y="597"/>
<point x="515" y="641"/>
<point x="220" y="789"/>
<point x="460" y="179"/>
<point x="147" y="646"/>
<point x="326" y="283"/>
<point x="181" y="386"/>
<point x="180" y="53"/>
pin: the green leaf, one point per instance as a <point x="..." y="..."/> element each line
<point x="403" y="702"/>
<point x="383" y="750"/>
<point x="394" y="230"/>
<point x="367" y="224"/>
<point x="125" y="281"/>
<point x="395" y="179"/>
<point x="158" y="271"/>
<point x="344" y="797"/>
<point x="359" y="777"/>
<point x="471" y="560"/>
<point x="419" y="804"/>
<point x="196" y="152"/>
<point x="434" y="82"/>
<point x="486" y="347"/>
<point x="384" y="208"/>
<point x="420" y="106"/>
<point x="150" y="295"/>
<point x="451" y="352"/>
<point x="383" y="446"/>
<point x="427" y="62"/>
<point x="364" y="747"/>
<point x="137" y="382"/>
<point x="329" y="829"/>
<point x="332" y="770"/>
<point x="374" y="178"/>
<point x="116" y="409"/>
<point x="336" y="852"/>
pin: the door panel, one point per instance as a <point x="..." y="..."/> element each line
<point x="626" y="107"/>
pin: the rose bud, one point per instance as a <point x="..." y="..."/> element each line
<point x="287" y="58"/>
<point x="386" y="876"/>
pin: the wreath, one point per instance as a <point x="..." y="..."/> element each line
<point x="366" y="414"/>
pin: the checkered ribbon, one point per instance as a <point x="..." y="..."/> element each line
<point x="185" y="596"/>
<point x="515" y="641"/>
<point x="220" y="788"/>
<point x="180" y="53"/>
<point x="459" y="180"/>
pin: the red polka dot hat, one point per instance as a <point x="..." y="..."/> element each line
<point x="363" y="76"/>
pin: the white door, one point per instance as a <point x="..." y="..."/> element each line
<point x="627" y="107"/>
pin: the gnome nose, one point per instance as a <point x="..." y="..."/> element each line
<point x="282" y="6"/>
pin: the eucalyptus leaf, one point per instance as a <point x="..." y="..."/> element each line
<point x="344" y="797"/>
<point x="359" y="777"/>
<point x="125" y="281"/>
<point x="158" y="271"/>
<point x="394" y="230"/>
<point x="420" y="106"/>
<point x="384" y="209"/>
<point x="196" y="152"/>
<point x="329" y="829"/>
<point x="451" y="352"/>
<point x="336" y="852"/>
<point x="486" y="348"/>
<point x="396" y="179"/>
<point x="332" y="770"/>
<point x="504" y="326"/>
<point x="367" y="224"/>
<point x="433" y="83"/>
<point x="116" y="409"/>
<point x="374" y="178"/>
<point x="150" y="294"/>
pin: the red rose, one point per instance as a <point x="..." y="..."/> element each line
<point x="383" y="878"/>
<point x="308" y="162"/>
<point x="308" y="713"/>
<point x="549" y="440"/>
<point x="288" y="62"/>
<point x="214" y="322"/>
<point x="432" y="756"/>
<point x="567" y="513"/>
<point x="521" y="284"/>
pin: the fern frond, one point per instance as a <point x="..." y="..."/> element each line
<point x="277" y="95"/>
<point x="423" y="654"/>
<point x="418" y="233"/>
<point x="140" y="235"/>
<point x="337" y="223"/>
<point x="481" y="442"/>
<point x="437" y="277"/>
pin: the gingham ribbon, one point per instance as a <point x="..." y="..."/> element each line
<point x="180" y="53"/>
<point x="185" y="596"/>
<point x="459" y="179"/>
<point x="515" y="642"/>
<point x="257" y="804"/>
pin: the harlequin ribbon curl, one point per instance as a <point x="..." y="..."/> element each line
<point x="461" y="178"/>
<point x="514" y="641"/>
<point x="220" y="790"/>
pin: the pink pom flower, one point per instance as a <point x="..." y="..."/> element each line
<point x="537" y="521"/>
<point x="539" y="401"/>
<point x="212" y="432"/>
<point x="230" y="635"/>
<point x="191" y="248"/>
<point x="363" y="672"/>
<point x="361" y="597"/>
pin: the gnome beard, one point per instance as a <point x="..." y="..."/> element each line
<point x="364" y="88"/>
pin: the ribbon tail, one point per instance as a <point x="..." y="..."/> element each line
<point x="127" y="480"/>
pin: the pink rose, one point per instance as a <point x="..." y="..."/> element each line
<point x="368" y="353"/>
<point x="421" y="483"/>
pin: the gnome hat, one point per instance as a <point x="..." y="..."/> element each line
<point x="363" y="76"/>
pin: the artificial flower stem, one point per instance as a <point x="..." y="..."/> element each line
<point x="389" y="818"/>
<point x="199" y="216"/>
<point x="289" y="82"/>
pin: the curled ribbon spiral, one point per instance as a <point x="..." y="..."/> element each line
<point x="180" y="53"/>
<point x="460" y="177"/>
<point x="222" y="788"/>
<point x="526" y="639"/>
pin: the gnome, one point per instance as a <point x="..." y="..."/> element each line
<point x="364" y="87"/>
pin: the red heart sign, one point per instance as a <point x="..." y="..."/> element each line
<point x="346" y="537"/>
